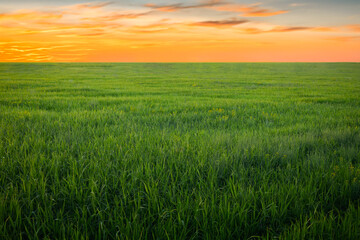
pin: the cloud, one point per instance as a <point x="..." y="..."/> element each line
<point x="30" y="15"/>
<point x="179" y="6"/>
<point x="93" y="5"/>
<point x="30" y="59"/>
<point x="162" y="25"/>
<point x="146" y="45"/>
<point x="289" y="29"/>
<point x="32" y="51"/>
<point x="166" y="8"/>
<point x="68" y="28"/>
<point x="221" y="23"/>
<point x="116" y="16"/>
<point x="236" y="7"/>
<point x="263" y="13"/>
<point x="153" y="28"/>
<point x="63" y="21"/>
<point x="91" y="34"/>
<point x="354" y="27"/>
<point x="251" y="10"/>
<point x="324" y="29"/>
<point x="345" y="28"/>
<point x="297" y="4"/>
<point x="277" y="29"/>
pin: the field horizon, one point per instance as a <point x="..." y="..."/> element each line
<point x="205" y="150"/>
<point x="165" y="62"/>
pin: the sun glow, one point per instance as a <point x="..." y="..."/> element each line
<point x="226" y="32"/>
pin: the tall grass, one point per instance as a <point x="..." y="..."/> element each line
<point x="180" y="151"/>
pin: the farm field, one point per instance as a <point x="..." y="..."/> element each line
<point x="179" y="150"/>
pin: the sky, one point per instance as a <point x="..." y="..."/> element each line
<point x="180" y="31"/>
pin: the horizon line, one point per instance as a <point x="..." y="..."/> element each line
<point x="201" y="62"/>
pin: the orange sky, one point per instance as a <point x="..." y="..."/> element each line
<point x="203" y="31"/>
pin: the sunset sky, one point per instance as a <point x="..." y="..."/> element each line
<point x="180" y="31"/>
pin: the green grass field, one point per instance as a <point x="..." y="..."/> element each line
<point x="180" y="151"/>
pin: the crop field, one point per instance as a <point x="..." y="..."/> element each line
<point x="179" y="150"/>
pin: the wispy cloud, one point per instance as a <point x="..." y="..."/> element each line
<point x="263" y="13"/>
<point x="354" y="27"/>
<point x="30" y="15"/>
<point x="297" y="4"/>
<point x="161" y="26"/>
<point x="180" y="6"/>
<point x="220" y="23"/>
<point x="92" y="5"/>
<point x="251" y="10"/>
<point x="324" y="29"/>
<point x="116" y="16"/>
<point x="30" y="51"/>
<point x="277" y="29"/>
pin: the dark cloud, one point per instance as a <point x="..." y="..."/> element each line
<point x="179" y="6"/>
<point x="221" y="23"/>
<point x="94" y="5"/>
